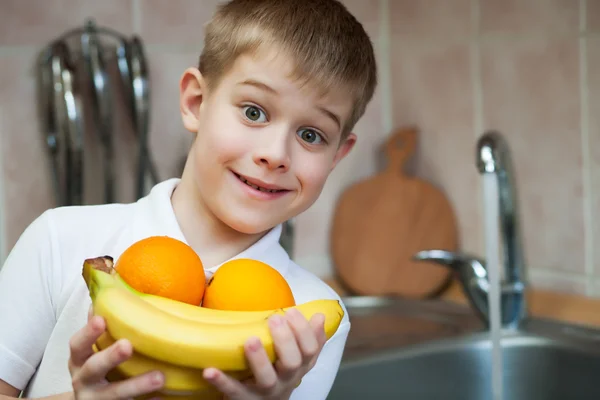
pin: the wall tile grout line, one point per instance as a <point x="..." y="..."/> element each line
<point x="477" y="93"/>
<point x="585" y="140"/>
<point x="556" y="274"/>
<point x="6" y="51"/>
<point x="565" y="279"/>
<point x="136" y="16"/>
<point x="3" y="229"/>
<point x="385" y="67"/>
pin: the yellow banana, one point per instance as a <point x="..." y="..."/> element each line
<point x="175" y="340"/>
<point x="203" y="314"/>
<point x="169" y="338"/>
<point x="162" y="395"/>
<point x="115" y="375"/>
<point x="180" y="380"/>
<point x="181" y="309"/>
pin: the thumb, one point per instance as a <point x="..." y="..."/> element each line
<point x="90" y="312"/>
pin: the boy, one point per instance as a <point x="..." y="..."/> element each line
<point x="279" y="87"/>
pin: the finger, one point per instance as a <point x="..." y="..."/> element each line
<point x="81" y="343"/>
<point x="289" y="357"/>
<point x="230" y="387"/>
<point x="97" y="366"/>
<point x="265" y="376"/>
<point x="132" y="387"/>
<point x="318" y="324"/>
<point x="90" y="312"/>
<point x="305" y="334"/>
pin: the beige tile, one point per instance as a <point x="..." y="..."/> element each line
<point x="35" y="22"/>
<point x="25" y="164"/>
<point x="432" y="89"/>
<point x="593" y="68"/>
<point x="179" y="22"/>
<point x="169" y="140"/>
<point x="564" y="283"/>
<point x="595" y="288"/>
<point x="531" y="95"/>
<point x="367" y="13"/>
<point x="312" y="235"/>
<point x="593" y="15"/>
<point x="432" y="18"/>
<point x="172" y="22"/>
<point x="521" y="16"/>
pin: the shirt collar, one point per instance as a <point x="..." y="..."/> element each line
<point x="154" y="216"/>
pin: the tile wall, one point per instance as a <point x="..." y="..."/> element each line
<point x="529" y="68"/>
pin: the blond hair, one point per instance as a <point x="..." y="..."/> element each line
<point x="328" y="45"/>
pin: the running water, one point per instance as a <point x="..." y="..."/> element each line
<point x="492" y="249"/>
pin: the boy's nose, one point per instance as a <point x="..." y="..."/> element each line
<point x="274" y="155"/>
<point x="272" y="161"/>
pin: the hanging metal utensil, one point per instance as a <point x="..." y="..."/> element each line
<point x="60" y="55"/>
<point x="64" y="105"/>
<point x="122" y="55"/>
<point x="74" y="137"/>
<point x="96" y="67"/>
<point x="141" y="106"/>
<point x="49" y="126"/>
<point x="61" y="108"/>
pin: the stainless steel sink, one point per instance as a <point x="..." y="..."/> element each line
<point x="542" y="360"/>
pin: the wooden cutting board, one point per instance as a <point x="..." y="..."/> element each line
<point x="382" y="221"/>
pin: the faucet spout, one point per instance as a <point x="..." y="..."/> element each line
<point x="493" y="157"/>
<point x="471" y="273"/>
<point x="457" y="261"/>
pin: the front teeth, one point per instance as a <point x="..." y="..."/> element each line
<point x="258" y="187"/>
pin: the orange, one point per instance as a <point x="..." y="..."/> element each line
<point x="247" y="285"/>
<point x="163" y="266"/>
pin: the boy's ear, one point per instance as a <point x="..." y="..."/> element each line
<point x="344" y="149"/>
<point x="191" y="91"/>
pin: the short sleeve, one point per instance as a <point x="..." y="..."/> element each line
<point x="27" y="315"/>
<point x="317" y="383"/>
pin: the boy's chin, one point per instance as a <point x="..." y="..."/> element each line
<point x="250" y="226"/>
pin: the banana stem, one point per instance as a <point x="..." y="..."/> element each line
<point x="99" y="272"/>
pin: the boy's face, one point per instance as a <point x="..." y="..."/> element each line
<point x="265" y="142"/>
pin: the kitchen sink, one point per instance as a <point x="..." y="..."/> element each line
<point x="431" y="350"/>
<point x="541" y="360"/>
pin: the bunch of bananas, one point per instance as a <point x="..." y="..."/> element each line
<point x="180" y="339"/>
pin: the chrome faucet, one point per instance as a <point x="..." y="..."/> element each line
<point x="493" y="157"/>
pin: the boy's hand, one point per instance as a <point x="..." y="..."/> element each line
<point x="88" y="369"/>
<point x="297" y="342"/>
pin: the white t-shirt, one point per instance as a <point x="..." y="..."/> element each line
<point x="44" y="299"/>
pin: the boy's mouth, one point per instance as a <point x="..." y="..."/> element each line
<point x="252" y="183"/>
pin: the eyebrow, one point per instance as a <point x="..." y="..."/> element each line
<point x="269" y="89"/>
<point x="258" y="85"/>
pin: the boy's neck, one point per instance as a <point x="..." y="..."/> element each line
<point x="214" y="241"/>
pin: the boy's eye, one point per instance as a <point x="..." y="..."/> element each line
<point x="253" y="113"/>
<point x="310" y="136"/>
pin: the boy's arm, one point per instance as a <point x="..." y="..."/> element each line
<point x="8" y="391"/>
<point x="28" y="286"/>
<point x="317" y="383"/>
